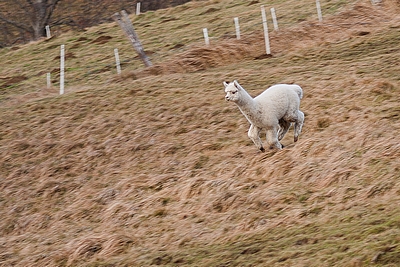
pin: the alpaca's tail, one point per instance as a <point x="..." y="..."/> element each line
<point x="299" y="91"/>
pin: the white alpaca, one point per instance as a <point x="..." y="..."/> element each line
<point x="273" y="110"/>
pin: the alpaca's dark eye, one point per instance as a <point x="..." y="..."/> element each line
<point x="233" y="92"/>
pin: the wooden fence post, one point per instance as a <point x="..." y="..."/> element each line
<point x="48" y="80"/>
<point x="117" y="61"/>
<point x="62" y="60"/>
<point x="206" y="38"/>
<point x="274" y="19"/>
<point x="318" y="4"/>
<point x="137" y="8"/>
<point x="265" y="26"/>
<point x="48" y="33"/>
<point x="237" y="27"/>
<point x="126" y="25"/>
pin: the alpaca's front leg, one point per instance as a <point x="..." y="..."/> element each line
<point x="272" y="138"/>
<point x="254" y="135"/>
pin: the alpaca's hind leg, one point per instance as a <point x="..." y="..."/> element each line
<point x="284" y="127"/>
<point x="272" y="138"/>
<point x="298" y="125"/>
<point x="254" y="135"/>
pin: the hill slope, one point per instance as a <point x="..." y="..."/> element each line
<point x="154" y="168"/>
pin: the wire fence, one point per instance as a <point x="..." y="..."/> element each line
<point x="224" y="29"/>
<point x="228" y="30"/>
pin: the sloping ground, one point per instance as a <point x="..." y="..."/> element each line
<point x="159" y="170"/>
<point x="343" y="26"/>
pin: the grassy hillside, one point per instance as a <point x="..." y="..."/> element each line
<point x="154" y="168"/>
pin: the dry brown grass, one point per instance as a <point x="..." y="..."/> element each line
<point x="158" y="169"/>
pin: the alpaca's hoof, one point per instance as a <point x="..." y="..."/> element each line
<point x="296" y="138"/>
<point x="262" y="149"/>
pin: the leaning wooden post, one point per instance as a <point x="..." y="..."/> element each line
<point x="126" y="25"/>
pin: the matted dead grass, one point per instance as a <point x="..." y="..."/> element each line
<point x="159" y="171"/>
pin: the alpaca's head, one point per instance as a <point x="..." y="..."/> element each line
<point x="232" y="91"/>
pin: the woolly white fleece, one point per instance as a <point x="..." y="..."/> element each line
<point x="273" y="110"/>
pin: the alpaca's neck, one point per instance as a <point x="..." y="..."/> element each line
<point x="246" y="104"/>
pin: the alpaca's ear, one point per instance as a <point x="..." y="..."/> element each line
<point x="226" y="84"/>
<point x="237" y="85"/>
